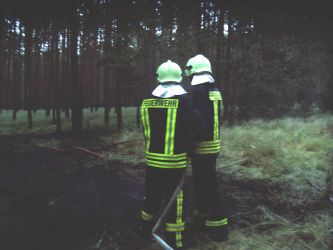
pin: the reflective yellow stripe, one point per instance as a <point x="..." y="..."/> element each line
<point x="207" y="147"/>
<point x="179" y="218"/>
<point x="146" y="126"/>
<point x="170" y="163"/>
<point x="166" y="161"/>
<point x="173" y="129"/>
<point x="167" y="132"/>
<point x="216" y="120"/>
<point x="211" y="223"/>
<point x="207" y="143"/>
<point x="160" y="164"/>
<point x="175" y="227"/>
<point x="146" y="216"/>
<point x="179" y="226"/>
<point x="212" y="147"/>
<point x="164" y="157"/>
<point x="159" y="154"/>
<point x="213" y="150"/>
<point x="180" y="207"/>
<point x="179" y="242"/>
<point x="215" y="95"/>
<point x="170" y="131"/>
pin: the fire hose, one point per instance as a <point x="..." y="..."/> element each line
<point x="164" y="213"/>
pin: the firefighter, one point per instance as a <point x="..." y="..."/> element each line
<point x="168" y="119"/>
<point x="209" y="215"/>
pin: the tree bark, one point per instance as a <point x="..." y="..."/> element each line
<point x="56" y="79"/>
<point x="27" y="70"/>
<point x="118" y="96"/>
<point x="219" y="49"/>
<point x="76" y="88"/>
<point x="106" y="90"/>
<point x="2" y="31"/>
<point x="226" y="83"/>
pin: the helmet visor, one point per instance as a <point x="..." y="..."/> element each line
<point x="187" y="71"/>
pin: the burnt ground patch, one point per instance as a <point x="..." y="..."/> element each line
<point x="70" y="200"/>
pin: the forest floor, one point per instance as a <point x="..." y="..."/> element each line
<point x="55" y="195"/>
<point x="67" y="200"/>
<point x="54" y="200"/>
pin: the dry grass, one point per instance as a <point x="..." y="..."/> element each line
<point x="291" y="149"/>
<point x="296" y="151"/>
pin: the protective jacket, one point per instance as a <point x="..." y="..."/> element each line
<point x="207" y="99"/>
<point x="168" y="124"/>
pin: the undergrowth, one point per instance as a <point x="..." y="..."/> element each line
<point x="295" y="151"/>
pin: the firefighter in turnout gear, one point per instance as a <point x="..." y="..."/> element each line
<point x="209" y="215"/>
<point x="168" y="119"/>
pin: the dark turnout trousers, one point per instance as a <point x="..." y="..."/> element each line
<point x="160" y="185"/>
<point x="210" y="214"/>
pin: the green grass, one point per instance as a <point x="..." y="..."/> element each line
<point x="294" y="151"/>
<point x="313" y="233"/>
<point x="291" y="149"/>
<point x="42" y="124"/>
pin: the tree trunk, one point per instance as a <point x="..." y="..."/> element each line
<point x="27" y="70"/>
<point x="106" y="97"/>
<point x="118" y="94"/>
<point x="54" y="117"/>
<point x="14" y="115"/>
<point x="56" y="78"/>
<point x="106" y="90"/>
<point x="76" y="88"/>
<point x="1" y="54"/>
<point x="219" y="48"/>
<point x="226" y="83"/>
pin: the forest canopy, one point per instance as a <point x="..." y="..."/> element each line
<point x="269" y="58"/>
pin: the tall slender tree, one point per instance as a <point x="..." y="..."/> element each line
<point x="27" y="69"/>
<point x="76" y="91"/>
